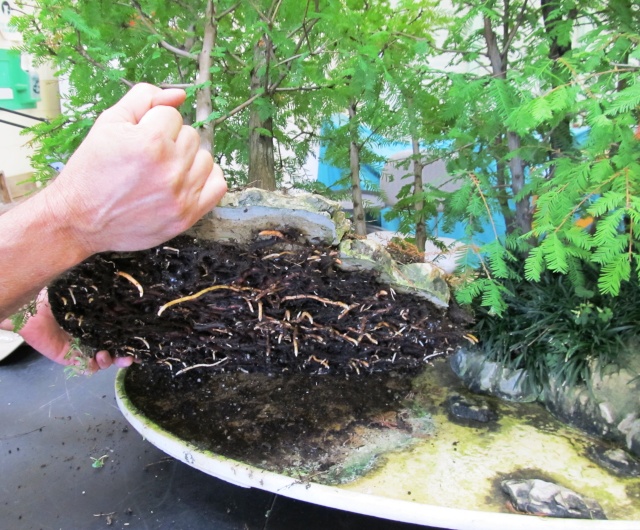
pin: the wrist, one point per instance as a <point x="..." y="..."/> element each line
<point x="64" y="226"/>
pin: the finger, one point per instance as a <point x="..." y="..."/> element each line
<point x="213" y="190"/>
<point x="123" y="362"/>
<point x="200" y="170"/>
<point x="139" y="100"/>
<point x="104" y="360"/>
<point x="91" y="367"/>
<point x="188" y="144"/>
<point x="162" y="118"/>
<point x="169" y="97"/>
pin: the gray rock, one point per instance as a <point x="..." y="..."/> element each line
<point x="512" y="384"/>
<point x="606" y="406"/>
<point x="616" y="388"/>
<point x="483" y="376"/>
<point x="489" y="376"/>
<point x="421" y="279"/>
<point x="630" y="428"/>
<point x="616" y="460"/>
<point x="470" y="410"/>
<point x="241" y="215"/>
<point x="364" y="254"/>
<point x="539" y="497"/>
<point x="426" y="280"/>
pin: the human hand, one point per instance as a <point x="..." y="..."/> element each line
<point x="139" y="178"/>
<point x="44" y="335"/>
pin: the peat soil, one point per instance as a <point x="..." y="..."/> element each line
<point x="270" y="353"/>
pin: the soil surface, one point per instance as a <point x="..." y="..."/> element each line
<point x="275" y="307"/>
<point x="327" y="428"/>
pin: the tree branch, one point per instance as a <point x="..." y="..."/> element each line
<point x="518" y="24"/>
<point x="495" y="57"/>
<point x="235" y="111"/>
<point x="289" y="62"/>
<point x="224" y="13"/>
<point x="95" y="63"/>
<point x="303" y="88"/>
<point x="178" y="51"/>
<point x="294" y="57"/>
<point x="273" y="10"/>
<point x="237" y="59"/>
<point x="176" y="85"/>
<point x="167" y="46"/>
<point x="262" y="16"/>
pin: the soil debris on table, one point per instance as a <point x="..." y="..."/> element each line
<point x="274" y="307"/>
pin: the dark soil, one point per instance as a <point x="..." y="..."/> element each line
<point x="306" y="426"/>
<point x="276" y="307"/>
<point x="271" y="354"/>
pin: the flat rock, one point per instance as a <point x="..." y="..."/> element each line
<point x="616" y="460"/>
<point x="470" y="410"/>
<point x="242" y="215"/>
<point x="539" y="497"/>
<point x="421" y="279"/>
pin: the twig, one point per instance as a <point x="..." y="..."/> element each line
<point x="436" y="354"/>
<point x="166" y="45"/>
<point x="21" y="434"/>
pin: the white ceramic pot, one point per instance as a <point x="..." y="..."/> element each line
<point x="346" y="497"/>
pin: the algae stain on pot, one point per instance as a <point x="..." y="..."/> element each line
<point x="462" y="466"/>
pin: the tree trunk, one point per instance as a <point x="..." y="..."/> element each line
<point x="524" y="211"/>
<point x="418" y="190"/>
<point x="359" y="222"/>
<point x="524" y="214"/>
<point x="501" y="181"/>
<point x="261" y="158"/>
<point x="204" y="105"/>
<point x="561" y="139"/>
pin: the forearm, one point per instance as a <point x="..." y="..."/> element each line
<point x="37" y="244"/>
<point x="139" y="178"/>
<point x="4" y="208"/>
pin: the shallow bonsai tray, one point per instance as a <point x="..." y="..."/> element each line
<point x="358" y="499"/>
<point x="9" y="342"/>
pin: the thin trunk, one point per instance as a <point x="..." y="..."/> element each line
<point x="501" y="180"/>
<point x="561" y="139"/>
<point x="524" y="212"/>
<point x="418" y="190"/>
<point x="204" y="105"/>
<point x="359" y="222"/>
<point x="261" y="158"/>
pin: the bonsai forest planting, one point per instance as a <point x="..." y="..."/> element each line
<point x="532" y="108"/>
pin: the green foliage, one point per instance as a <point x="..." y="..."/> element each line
<point x="80" y="356"/>
<point x="20" y="318"/>
<point x="105" y="47"/>
<point x="577" y="207"/>
<point x="98" y="463"/>
<point x="552" y="330"/>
